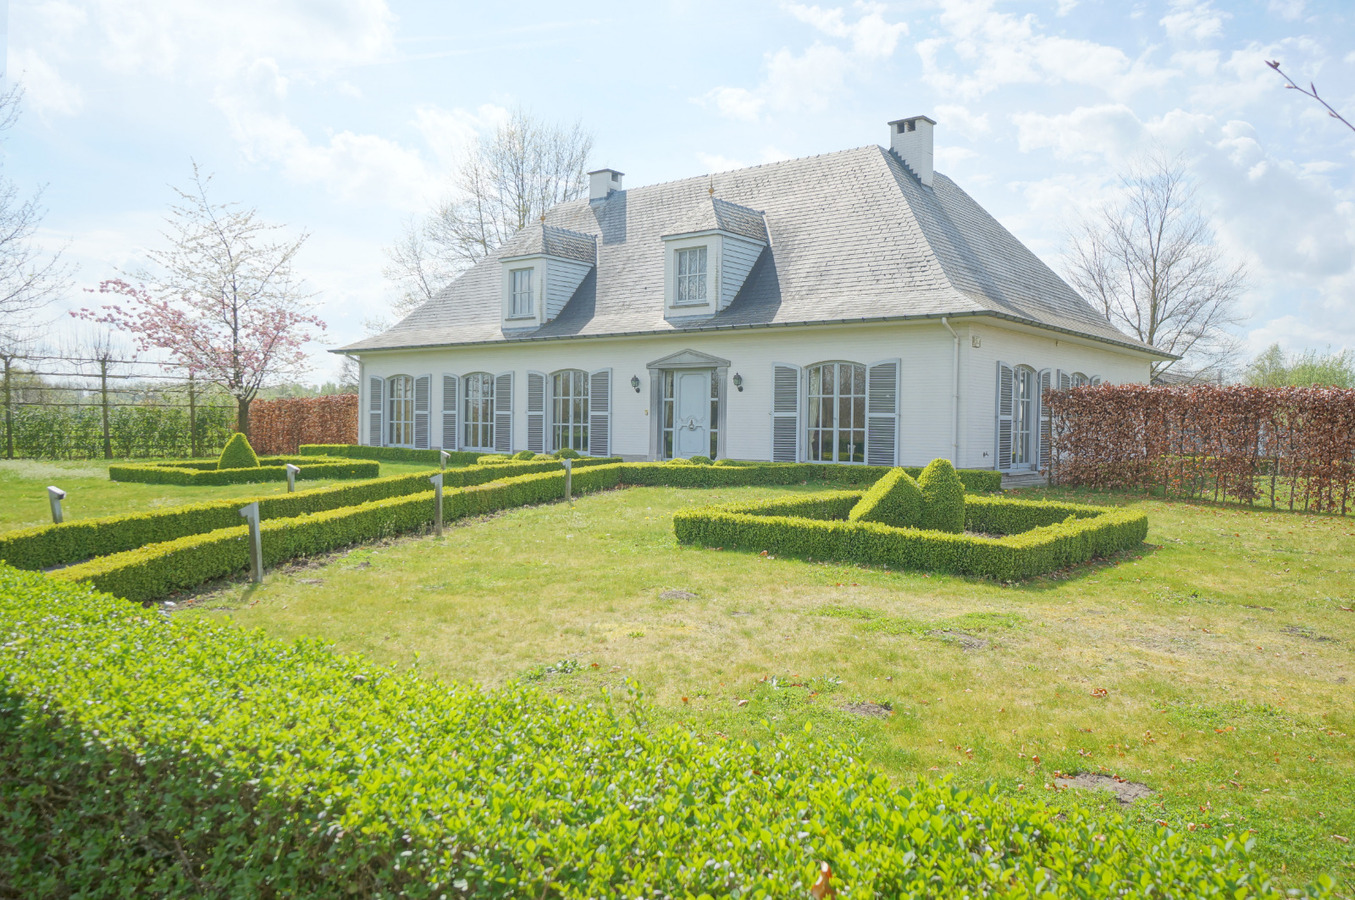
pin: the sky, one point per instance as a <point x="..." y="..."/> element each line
<point x="344" y="118"/>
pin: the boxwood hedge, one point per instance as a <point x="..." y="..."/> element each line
<point x="727" y="474"/>
<point x="389" y="454"/>
<point x="1037" y="536"/>
<point x="149" y="757"/>
<point x="270" y="468"/>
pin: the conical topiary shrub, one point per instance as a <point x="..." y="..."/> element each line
<point x="894" y="500"/>
<point x="238" y="454"/>
<point x="942" y="497"/>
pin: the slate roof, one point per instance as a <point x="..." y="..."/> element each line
<point x="853" y="236"/>
<point x="549" y="239"/>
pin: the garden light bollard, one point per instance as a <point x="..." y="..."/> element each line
<point x="291" y="477"/>
<point x="443" y="456"/>
<point x="251" y="516"/>
<point x="437" y="503"/>
<point x="55" y="495"/>
<point x="569" y="479"/>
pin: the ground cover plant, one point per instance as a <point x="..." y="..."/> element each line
<point x="218" y="762"/>
<point x="1215" y="669"/>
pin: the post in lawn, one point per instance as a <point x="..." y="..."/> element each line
<point x="291" y="477"/>
<point x="443" y="455"/>
<point x="251" y="516"/>
<point x="54" y="496"/>
<point x="437" y="501"/>
<point x="569" y="479"/>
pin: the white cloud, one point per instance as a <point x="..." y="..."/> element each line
<point x="1289" y="10"/>
<point x="1193" y="20"/>
<point x="44" y="88"/>
<point x="1108" y="132"/>
<point x="811" y="79"/>
<point x="716" y="162"/>
<point x="962" y="121"/>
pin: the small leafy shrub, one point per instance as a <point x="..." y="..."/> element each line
<point x="699" y="460"/>
<point x="524" y="454"/>
<point x="238" y="454"/>
<point x="153" y="758"/>
<point x="567" y="453"/>
<point x="894" y="500"/>
<point x="942" y="497"/>
<point x="679" y="461"/>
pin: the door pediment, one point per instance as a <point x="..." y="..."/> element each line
<point x="689" y="359"/>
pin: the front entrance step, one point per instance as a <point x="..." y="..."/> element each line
<point x="1024" y="480"/>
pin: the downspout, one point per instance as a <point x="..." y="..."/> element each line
<point x="955" y="397"/>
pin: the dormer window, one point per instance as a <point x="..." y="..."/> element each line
<point x="522" y="294"/>
<point x="691" y="276"/>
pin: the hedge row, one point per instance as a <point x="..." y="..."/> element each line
<point x="1081" y="534"/>
<point x="389" y="454"/>
<point x="976" y="481"/>
<point x="283" y="425"/>
<point x="156" y="570"/>
<point x="145" y="757"/>
<point x="149" y="430"/>
<point x="271" y="468"/>
<point x="45" y="546"/>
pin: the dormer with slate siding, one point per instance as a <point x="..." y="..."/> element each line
<point x="708" y="259"/>
<point x="543" y="265"/>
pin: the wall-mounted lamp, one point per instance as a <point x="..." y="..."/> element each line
<point x="635" y="383"/>
<point x="738" y="381"/>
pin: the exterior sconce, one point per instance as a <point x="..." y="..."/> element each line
<point x="635" y="383"/>
<point x="738" y="381"/>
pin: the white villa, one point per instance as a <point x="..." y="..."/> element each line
<point x="854" y="307"/>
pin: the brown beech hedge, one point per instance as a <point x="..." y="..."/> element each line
<point x="1280" y="447"/>
<point x="282" y="426"/>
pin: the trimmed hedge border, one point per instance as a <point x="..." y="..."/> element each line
<point x="146" y="757"/>
<point x="1037" y="536"/>
<point x="389" y="454"/>
<point x="46" y="546"/>
<point x="686" y="474"/>
<point x="270" y="468"/>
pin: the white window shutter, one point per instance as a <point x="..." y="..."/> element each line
<point x="1065" y="380"/>
<point x="785" y="413"/>
<point x="376" y="405"/>
<point x="451" y="403"/>
<point x="1096" y="381"/>
<point x="600" y="413"/>
<point x="1005" y="391"/>
<point x="882" y="413"/>
<point x="1046" y="436"/>
<point x="503" y="413"/>
<point x="423" y="404"/>
<point x="536" y="412"/>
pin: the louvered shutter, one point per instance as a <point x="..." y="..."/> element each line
<point x="376" y="405"/>
<point x="1065" y="380"/>
<point x="451" y="402"/>
<point x="423" y="405"/>
<point x="785" y="413"/>
<point x="1005" y="388"/>
<point x="536" y="412"/>
<point x="1096" y="382"/>
<point x="600" y="413"/>
<point x="1046" y="436"/>
<point x="503" y="413"/>
<point x="882" y="413"/>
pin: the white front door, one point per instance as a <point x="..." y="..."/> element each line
<point x="691" y="425"/>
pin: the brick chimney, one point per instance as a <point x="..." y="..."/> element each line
<point x="911" y="141"/>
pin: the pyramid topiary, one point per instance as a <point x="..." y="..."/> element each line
<point x="238" y="454"/>
<point x="894" y="500"/>
<point x="942" y="497"/>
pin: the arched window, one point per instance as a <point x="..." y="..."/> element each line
<point x="400" y="411"/>
<point x="569" y="410"/>
<point x="837" y="412"/>
<point x="1024" y="391"/>
<point x="477" y="429"/>
<point x="1080" y="380"/>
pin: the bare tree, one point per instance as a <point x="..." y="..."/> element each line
<point x="1310" y="92"/>
<point x="511" y="178"/>
<point x="221" y="300"/>
<point x="1149" y="262"/>
<point x="30" y="278"/>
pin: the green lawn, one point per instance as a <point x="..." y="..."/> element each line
<point x="1215" y="667"/>
<point x="89" y="493"/>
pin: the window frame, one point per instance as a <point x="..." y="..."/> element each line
<point x="397" y="402"/>
<point x="482" y="423"/>
<point x="568" y="410"/>
<point x="521" y="303"/>
<point x="1025" y="416"/>
<point x="815" y="425"/>
<point x="685" y="280"/>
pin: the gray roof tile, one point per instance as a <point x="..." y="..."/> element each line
<point x="853" y="235"/>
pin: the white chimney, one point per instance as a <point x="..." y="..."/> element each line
<point x="911" y="140"/>
<point x="603" y="182"/>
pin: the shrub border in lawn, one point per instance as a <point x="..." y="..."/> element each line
<point x="271" y="468"/>
<point x="1038" y="536"/>
<point x="389" y="454"/>
<point x="220" y="762"/>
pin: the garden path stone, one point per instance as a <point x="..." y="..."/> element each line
<point x="1125" y="791"/>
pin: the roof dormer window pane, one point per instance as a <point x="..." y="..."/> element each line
<point x="691" y="275"/>
<point x="522" y="293"/>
